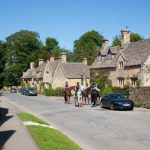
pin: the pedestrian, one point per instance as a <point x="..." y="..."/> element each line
<point x="66" y="92"/>
<point x="94" y="94"/>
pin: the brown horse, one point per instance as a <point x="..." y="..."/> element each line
<point x="85" y="95"/>
<point x="67" y="93"/>
<point x="86" y="98"/>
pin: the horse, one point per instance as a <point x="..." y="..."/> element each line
<point x="67" y="93"/>
<point x="85" y="95"/>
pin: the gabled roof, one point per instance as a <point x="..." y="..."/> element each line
<point x="28" y="74"/>
<point x="134" y="53"/>
<point x="75" y="70"/>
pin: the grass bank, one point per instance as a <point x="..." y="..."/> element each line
<point x="47" y="138"/>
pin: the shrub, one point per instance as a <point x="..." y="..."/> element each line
<point x="59" y="91"/>
<point x="106" y="91"/>
<point x="54" y="92"/>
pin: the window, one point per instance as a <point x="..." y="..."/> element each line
<point x="109" y="56"/>
<point x="101" y="58"/>
<point x="121" y="65"/>
<point x="121" y="81"/>
<point x="133" y="81"/>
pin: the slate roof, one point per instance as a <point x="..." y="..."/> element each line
<point x="134" y="53"/>
<point x="28" y="74"/>
<point x="70" y="69"/>
<point x="75" y="70"/>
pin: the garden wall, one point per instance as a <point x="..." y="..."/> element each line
<point x="141" y="96"/>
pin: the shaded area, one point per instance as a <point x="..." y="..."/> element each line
<point x="4" y="119"/>
<point x="4" y="136"/>
<point x="3" y="111"/>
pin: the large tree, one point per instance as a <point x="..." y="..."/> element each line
<point x="87" y="46"/>
<point x="133" y="37"/>
<point x="51" y="44"/>
<point x="22" y="48"/>
<point x="2" y="62"/>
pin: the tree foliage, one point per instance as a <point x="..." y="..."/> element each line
<point x="51" y="44"/>
<point x="22" y="47"/>
<point x="86" y="46"/>
<point x="133" y="38"/>
<point x="2" y="62"/>
<point x="116" y="41"/>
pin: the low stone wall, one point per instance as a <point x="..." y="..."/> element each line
<point x="141" y="96"/>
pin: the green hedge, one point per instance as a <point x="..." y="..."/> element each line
<point x="54" y="92"/>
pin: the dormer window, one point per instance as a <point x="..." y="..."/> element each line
<point x="109" y="56"/>
<point x="101" y="58"/>
<point x="121" y="65"/>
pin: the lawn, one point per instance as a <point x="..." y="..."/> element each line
<point x="47" y="138"/>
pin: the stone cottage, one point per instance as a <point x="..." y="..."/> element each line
<point x="56" y="72"/>
<point x="124" y="64"/>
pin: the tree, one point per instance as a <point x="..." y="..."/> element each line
<point x="133" y="38"/>
<point x="116" y="41"/>
<point x="2" y="62"/>
<point x="86" y="46"/>
<point x="51" y="44"/>
<point x="22" y="47"/>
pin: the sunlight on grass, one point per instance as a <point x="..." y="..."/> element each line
<point x="30" y="117"/>
<point x="51" y="139"/>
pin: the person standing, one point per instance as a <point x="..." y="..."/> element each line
<point x="66" y="92"/>
<point x="94" y="95"/>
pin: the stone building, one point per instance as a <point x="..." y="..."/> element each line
<point x="124" y="64"/>
<point x="56" y="72"/>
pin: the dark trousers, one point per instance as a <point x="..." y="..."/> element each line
<point x="94" y="99"/>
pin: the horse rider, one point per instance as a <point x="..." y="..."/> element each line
<point x="78" y="94"/>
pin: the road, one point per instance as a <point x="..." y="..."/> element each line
<point x="92" y="128"/>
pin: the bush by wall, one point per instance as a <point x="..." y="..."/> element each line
<point x="54" y="92"/>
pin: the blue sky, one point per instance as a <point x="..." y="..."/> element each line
<point x="67" y="20"/>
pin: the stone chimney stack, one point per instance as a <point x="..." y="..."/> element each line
<point x="52" y="59"/>
<point x="125" y="34"/>
<point x="41" y="61"/>
<point x="105" y="43"/>
<point x="85" y="61"/>
<point x="32" y="65"/>
<point x="64" y="57"/>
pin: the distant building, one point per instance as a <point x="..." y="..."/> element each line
<point x="124" y="64"/>
<point x="56" y="72"/>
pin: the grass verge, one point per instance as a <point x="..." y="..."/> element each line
<point x="47" y="138"/>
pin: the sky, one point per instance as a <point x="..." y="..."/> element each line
<point x="68" y="20"/>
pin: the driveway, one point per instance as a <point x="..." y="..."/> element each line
<point x="92" y="128"/>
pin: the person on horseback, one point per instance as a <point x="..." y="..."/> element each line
<point x="94" y="95"/>
<point x="78" y="94"/>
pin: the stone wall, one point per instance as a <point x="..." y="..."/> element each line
<point x="140" y="96"/>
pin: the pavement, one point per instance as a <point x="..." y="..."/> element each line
<point x="13" y="134"/>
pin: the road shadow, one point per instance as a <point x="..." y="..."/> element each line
<point x="4" y="137"/>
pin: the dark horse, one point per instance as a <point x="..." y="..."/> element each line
<point x="86" y="94"/>
<point x="67" y="93"/>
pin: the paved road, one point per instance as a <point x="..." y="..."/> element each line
<point x="91" y="128"/>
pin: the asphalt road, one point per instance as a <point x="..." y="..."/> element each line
<point x="92" y="128"/>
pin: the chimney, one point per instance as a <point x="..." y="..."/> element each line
<point x="64" y="57"/>
<point x="105" y="43"/>
<point x="52" y="59"/>
<point x="32" y="65"/>
<point x="41" y="61"/>
<point x="85" y="61"/>
<point x="125" y="33"/>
